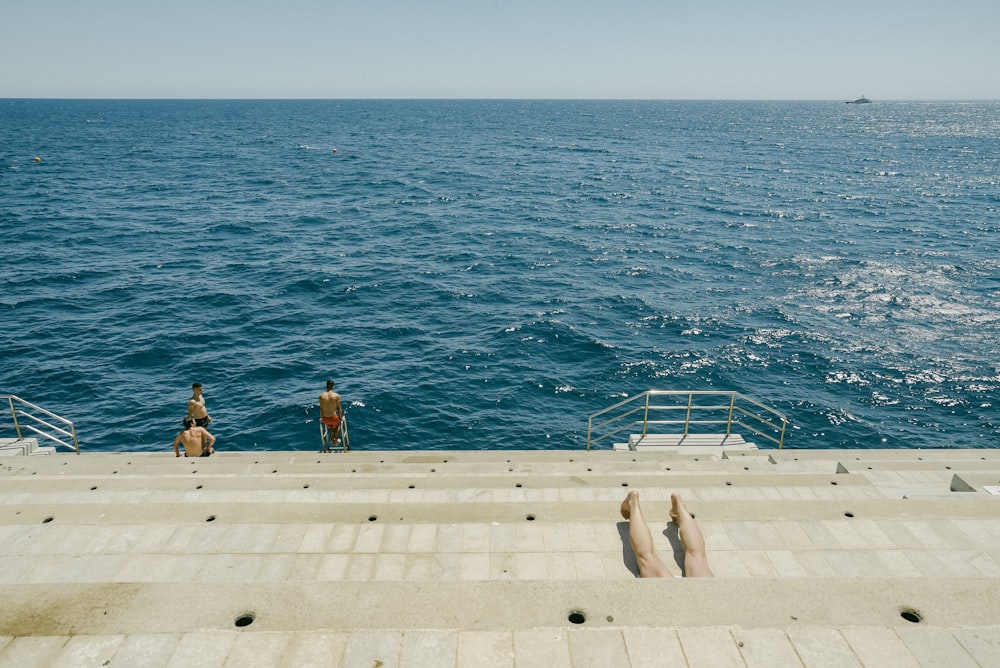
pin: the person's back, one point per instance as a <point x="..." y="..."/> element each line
<point x="193" y="439"/>
<point x="329" y="402"/>
<point x="330" y="414"/>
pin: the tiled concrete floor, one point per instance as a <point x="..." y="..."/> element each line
<point x="481" y="559"/>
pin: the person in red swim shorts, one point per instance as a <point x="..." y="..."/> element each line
<point x="330" y="413"/>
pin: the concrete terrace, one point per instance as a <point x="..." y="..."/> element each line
<point x="379" y="559"/>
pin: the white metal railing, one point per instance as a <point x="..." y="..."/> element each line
<point x="327" y="439"/>
<point x="35" y="419"/>
<point x="646" y="408"/>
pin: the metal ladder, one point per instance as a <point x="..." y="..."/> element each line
<point x="27" y="416"/>
<point x="326" y="439"/>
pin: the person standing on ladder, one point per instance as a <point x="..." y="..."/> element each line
<point x="196" y="406"/>
<point x="330" y="414"/>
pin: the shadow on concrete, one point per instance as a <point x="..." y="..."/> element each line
<point x="628" y="555"/>
<point x="675" y="544"/>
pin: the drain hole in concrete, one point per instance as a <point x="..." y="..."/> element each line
<point x="729" y="484"/>
<point x="245" y="619"/>
<point x="833" y="482"/>
<point x="47" y="520"/>
<point x="517" y="485"/>
<point x="624" y="484"/>
<point x="92" y="489"/>
<point x="210" y="518"/>
<point x="848" y="514"/>
<point x="413" y="486"/>
<point x="610" y="619"/>
<point x="198" y="487"/>
<point x="305" y="486"/>
<point x="911" y="616"/>
<point x="433" y="470"/>
<point x="372" y="518"/>
<point x="577" y="617"/>
<point x="530" y="518"/>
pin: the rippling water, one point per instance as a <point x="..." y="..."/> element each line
<point x="485" y="274"/>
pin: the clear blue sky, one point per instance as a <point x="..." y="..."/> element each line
<point x="659" y="49"/>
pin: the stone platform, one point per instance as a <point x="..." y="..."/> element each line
<point x="498" y="558"/>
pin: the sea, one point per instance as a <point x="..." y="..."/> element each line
<point x="487" y="274"/>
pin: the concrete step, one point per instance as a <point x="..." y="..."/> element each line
<point x="900" y="455"/>
<point x="483" y="559"/>
<point x="288" y="607"/>
<point x="566" y="645"/>
<point x="25" y="447"/>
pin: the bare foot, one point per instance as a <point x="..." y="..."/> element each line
<point x="626" y="509"/>
<point x="677" y="509"/>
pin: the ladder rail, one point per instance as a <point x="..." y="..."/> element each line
<point x="28" y="416"/>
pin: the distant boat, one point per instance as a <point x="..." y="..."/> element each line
<point x="860" y="100"/>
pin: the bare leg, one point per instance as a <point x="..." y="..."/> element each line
<point x="695" y="555"/>
<point x="650" y="565"/>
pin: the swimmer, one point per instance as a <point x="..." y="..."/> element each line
<point x="196" y="406"/>
<point x="194" y="439"/>
<point x="330" y="414"/>
<point x="650" y="564"/>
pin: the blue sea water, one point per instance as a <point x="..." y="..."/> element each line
<point x="485" y="274"/>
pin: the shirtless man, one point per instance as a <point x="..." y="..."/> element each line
<point x="650" y="565"/>
<point x="330" y="413"/>
<point x="196" y="407"/>
<point x="194" y="438"/>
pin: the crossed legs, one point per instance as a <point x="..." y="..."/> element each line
<point x="650" y="564"/>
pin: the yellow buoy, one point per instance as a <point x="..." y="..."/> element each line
<point x="37" y="159"/>
<point x="334" y="150"/>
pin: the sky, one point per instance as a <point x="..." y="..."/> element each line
<point x="551" y="49"/>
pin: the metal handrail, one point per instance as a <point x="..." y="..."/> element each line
<point x="758" y="419"/>
<point x="46" y="429"/>
<point x="345" y="438"/>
